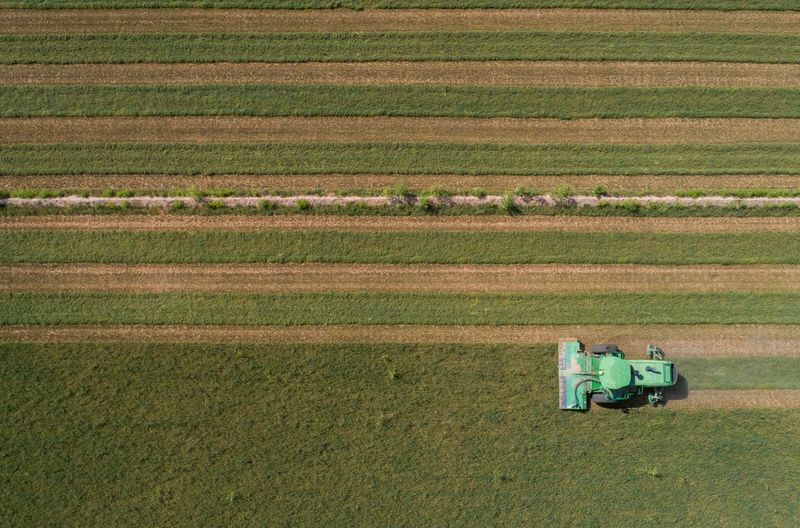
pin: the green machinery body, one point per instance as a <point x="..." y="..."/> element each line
<point x="606" y="377"/>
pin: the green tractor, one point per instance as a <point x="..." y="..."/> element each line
<point x="605" y="376"/>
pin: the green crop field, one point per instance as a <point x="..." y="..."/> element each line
<point x="222" y="321"/>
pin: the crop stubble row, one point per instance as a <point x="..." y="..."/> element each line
<point x="28" y="21"/>
<point x="428" y="129"/>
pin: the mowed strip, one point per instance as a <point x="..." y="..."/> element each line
<point x="735" y="399"/>
<point x="404" y="223"/>
<point x="390" y="277"/>
<point x="227" y="129"/>
<point x="376" y="183"/>
<point x="458" y="73"/>
<point x="679" y="341"/>
<point x="30" y="21"/>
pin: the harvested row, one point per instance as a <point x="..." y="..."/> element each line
<point x="376" y="183"/>
<point x="679" y="341"/>
<point x="390" y="277"/>
<point x="392" y="46"/>
<point x="397" y="158"/>
<point x="374" y="129"/>
<point x="405" y="223"/>
<point x="473" y="73"/>
<point x="736" y="399"/>
<point x="165" y="20"/>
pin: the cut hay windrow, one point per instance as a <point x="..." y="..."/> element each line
<point x="680" y="341"/>
<point x="166" y="20"/>
<point x="385" y="308"/>
<point x="376" y="184"/>
<point x="453" y="73"/>
<point x="392" y="277"/>
<point x="398" y="247"/>
<point x="376" y="224"/>
<point x="540" y="131"/>
<point x="397" y="158"/>
<point x="392" y="46"/>
<point x="400" y="100"/>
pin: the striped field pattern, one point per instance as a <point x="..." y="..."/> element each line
<point x="298" y="368"/>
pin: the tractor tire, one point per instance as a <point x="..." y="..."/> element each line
<point x="604" y="349"/>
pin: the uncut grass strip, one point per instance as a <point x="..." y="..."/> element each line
<point x="371" y="184"/>
<point x="692" y="5"/>
<point x="67" y="406"/>
<point x="452" y="73"/>
<point x="741" y="373"/>
<point x="390" y="46"/>
<point x="402" y="100"/>
<point x="392" y="277"/>
<point x="662" y="131"/>
<point x="166" y="20"/>
<point x="383" y="308"/>
<point x="401" y="247"/>
<point x="397" y="158"/>
<point x="679" y="341"/>
<point x="408" y="224"/>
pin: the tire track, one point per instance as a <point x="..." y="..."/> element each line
<point x="166" y="20"/>
<point x="157" y="222"/>
<point x="237" y="129"/>
<point x="677" y="341"/>
<point x="469" y="73"/>
<point x="364" y="183"/>
<point x="389" y="277"/>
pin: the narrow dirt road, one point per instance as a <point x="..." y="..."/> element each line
<point x="403" y="223"/>
<point x="196" y="129"/>
<point x="30" y="21"/>
<point x="472" y="73"/>
<point x="543" y="278"/>
<point x="677" y="341"/>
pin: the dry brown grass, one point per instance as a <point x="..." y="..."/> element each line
<point x="428" y="129"/>
<point x="545" y="278"/>
<point x="737" y="399"/>
<point x="406" y="223"/>
<point x="23" y="21"/>
<point x="491" y="73"/>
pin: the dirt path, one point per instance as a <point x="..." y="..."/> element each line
<point x="493" y="73"/>
<point x="24" y="21"/>
<point x="378" y="182"/>
<point x="405" y="223"/>
<point x="428" y="129"/>
<point x="388" y="277"/>
<point x="677" y="340"/>
<point x="737" y="399"/>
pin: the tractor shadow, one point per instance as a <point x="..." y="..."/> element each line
<point x="679" y="391"/>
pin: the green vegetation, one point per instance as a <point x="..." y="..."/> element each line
<point x="396" y="100"/>
<point x="399" y="308"/>
<point x="398" y="247"/>
<point x="741" y="373"/>
<point x="315" y="434"/>
<point x="726" y="5"/>
<point x="396" y="158"/>
<point x="387" y="46"/>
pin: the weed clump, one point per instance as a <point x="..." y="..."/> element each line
<point x="509" y="204"/>
<point x="302" y="205"/>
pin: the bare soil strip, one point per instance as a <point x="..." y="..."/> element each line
<point x="25" y="21"/>
<point x="388" y="277"/>
<point x="378" y="182"/>
<point x="736" y="399"/>
<point x="405" y="223"/>
<point x="677" y="340"/>
<point x="430" y="129"/>
<point x="477" y="73"/>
